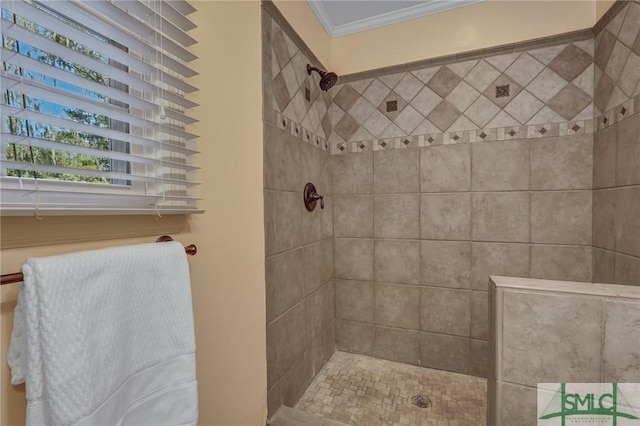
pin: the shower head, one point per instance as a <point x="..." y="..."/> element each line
<point x="327" y="79"/>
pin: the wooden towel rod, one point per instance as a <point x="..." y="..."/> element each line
<point x="17" y="277"/>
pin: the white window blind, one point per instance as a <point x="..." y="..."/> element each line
<point x="95" y="105"/>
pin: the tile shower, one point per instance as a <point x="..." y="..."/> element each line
<point x="522" y="161"/>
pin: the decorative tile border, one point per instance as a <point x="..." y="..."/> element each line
<point x="570" y="128"/>
<point x="623" y="111"/>
<point x="300" y="132"/>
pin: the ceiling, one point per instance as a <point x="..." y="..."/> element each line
<point x="342" y="17"/>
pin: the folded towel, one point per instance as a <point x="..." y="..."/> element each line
<point x="105" y="337"/>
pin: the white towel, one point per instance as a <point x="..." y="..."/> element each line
<point x="105" y="337"/>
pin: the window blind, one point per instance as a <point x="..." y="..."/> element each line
<point x="95" y="107"/>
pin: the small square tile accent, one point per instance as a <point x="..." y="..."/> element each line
<point x="392" y="113"/>
<point x="503" y="80"/>
<point x="502" y="91"/>
<point x="392" y="106"/>
<point x="359" y="390"/>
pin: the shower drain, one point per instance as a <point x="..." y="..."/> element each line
<point x="421" y="401"/>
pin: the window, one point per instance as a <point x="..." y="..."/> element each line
<point x="95" y="104"/>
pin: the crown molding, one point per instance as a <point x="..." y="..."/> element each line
<point x="385" y="18"/>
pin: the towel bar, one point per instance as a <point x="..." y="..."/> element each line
<point x="17" y="277"/>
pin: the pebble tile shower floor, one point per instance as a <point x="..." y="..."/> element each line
<point x="363" y="391"/>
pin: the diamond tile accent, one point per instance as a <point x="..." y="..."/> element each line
<point x="546" y="115"/>
<point x="523" y="107"/>
<point x="617" y="60"/>
<point x="299" y="63"/>
<point x="604" y="47"/>
<point x="392" y="131"/>
<point x="481" y="111"/>
<point x="408" y="119"/>
<point x="347" y="127"/>
<point x="546" y="54"/>
<point x="462" y="96"/>
<point x="346" y="97"/>
<point x="603" y="92"/>
<point x="502" y="62"/>
<point x="443" y="82"/>
<point x="426" y="74"/>
<point x="630" y="75"/>
<point x="408" y="87"/>
<point x="616" y="23"/>
<point x="391" y="80"/>
<point x="503" y="80"/>
<point x="570" y="62"/>
<point x="376" y="92"/>
<point x="462" y="68"/>
<point x="482" y="75"/>
<point x="280" y="92"/>
<point x="617" y="98"/>
<point x="290" y="79"/>
<point x="361" y="110"/>
<point x="426" y="127"/>
<point x="443" y="115"/>
<point x="630" y="27"/>
<point x="426" y="101"/>
<point x="462" y="123"/>
<point x="524" y="69"/>
<point x="546" y="85"/>
<point x="282" y="54"/>
<point x="376" y="123"/>
<point x="502" y="119"/>
<point x="400" y="104"/>
<point x="636" y="45"/>
<point x="569" y="102"/>
<point x="451" y="109"/>
<point x="360" y="85"/>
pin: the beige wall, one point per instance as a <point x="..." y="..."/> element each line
<point x="305" y="23"/>
<point x="228" y="272"/>
<point x="478" y="26"/>
<point x="602" y="6"/>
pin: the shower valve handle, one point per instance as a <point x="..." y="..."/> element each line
<point x="316" y="197"/>
<point x="311" y="197"/>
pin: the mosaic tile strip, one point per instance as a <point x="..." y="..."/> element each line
<point x="363" y="391"/>
<point x="570" y="128"/>
<point x="626" y="110"/>
<point x="300" y="132"/>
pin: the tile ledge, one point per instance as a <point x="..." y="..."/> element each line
<point x="573" y="287"/>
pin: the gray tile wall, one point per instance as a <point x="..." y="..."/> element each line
<point x="299" y="244"/>
<point x="616" y="149"/>
<point x="418" y="231"/>
<point x="426" y="201"/>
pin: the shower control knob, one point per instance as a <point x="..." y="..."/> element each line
<point x="311" y="197"/>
